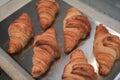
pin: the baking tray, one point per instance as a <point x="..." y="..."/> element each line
<point x="24" y="58"/>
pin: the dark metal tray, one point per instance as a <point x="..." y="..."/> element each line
<point x="24" y="58"/>
<point x="4" y="76"/>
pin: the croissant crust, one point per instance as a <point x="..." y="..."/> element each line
<point x="76" y="27"/>
<point x="106" y="49"/>
<point x="20" y="32"/>
<point x="46" y="50"/>
<point x="78" y="68"/>
<point x="47" y="10"/>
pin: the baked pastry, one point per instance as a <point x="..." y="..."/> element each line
<point x="76" y="27"/>
<point x="20" y="32"/>
<point x="47" y="10"/>
<point x="46" y="49"/>
<point x="78" y="68"/>
<point x="106" y="49"/>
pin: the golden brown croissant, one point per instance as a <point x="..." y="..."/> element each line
<point x="47" y="10"/>
<point x="46" y="50"/>
<point x="106" y="49"/>
<point x="76" y="27"/>
<point x="20" y="32"/>
<point x="78" y="68"/>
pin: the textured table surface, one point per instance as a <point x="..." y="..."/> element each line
<point x="102" y="18"/>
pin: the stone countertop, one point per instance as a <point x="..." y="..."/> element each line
<point x="7" y="7"/>
<point x="99" y="16"/>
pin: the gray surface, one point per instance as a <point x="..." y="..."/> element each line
<point x="3" y="2"/>
<point x="24" y="58"/>
<point x="12" y="68"/>
<point x="4" y="76"/>
<point x="109" y="7"/>
<point x="7" y="8"/>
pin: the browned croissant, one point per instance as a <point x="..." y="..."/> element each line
<point x="47" y="10"/>
<point x="46" y="50"/>
<point x="76" y="27"/>
<point x="20" y="32"/>
<point x="106" y="49"/>
<point x="78" y="68"/>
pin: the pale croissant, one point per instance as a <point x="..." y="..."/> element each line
<point x="78" y="68"/>
<point x="106" y="49"/>
<point x="76" y="27"/>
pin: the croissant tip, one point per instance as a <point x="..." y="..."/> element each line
<point x="103" y="70"/>
<point x="11" y="51"/>
<point x="66" y="46"/>
<point x="44" y="23"/>
<point x="101" y="28"/>
<point x="67" y="51"/>
<point x="35" y="74"/>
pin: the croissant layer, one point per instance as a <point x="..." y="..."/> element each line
<point x="46" y="50"/>
<point x="76" y="27"/>
<point x="47" y="10"/>
<point x="106" y="49"/>
<point x="78" y="68"/>
<point x="20" y="32"/>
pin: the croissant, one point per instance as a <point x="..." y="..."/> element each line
<point x="76" y="27"/>
<point x="20" y="32"/>
<point x="78" y="68"/>
<point x="106" y="49"/>
<point x="46" y="49"/>
<point x="47" y="10"/>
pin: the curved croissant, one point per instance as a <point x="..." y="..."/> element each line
<point x="46" y="50"/>
<point x="78" y="68"/>
<point x="106" y="49"/>
<point x="20" y="32"/>
<point x="47" y="10"/>
<point x="76" y="27"/>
